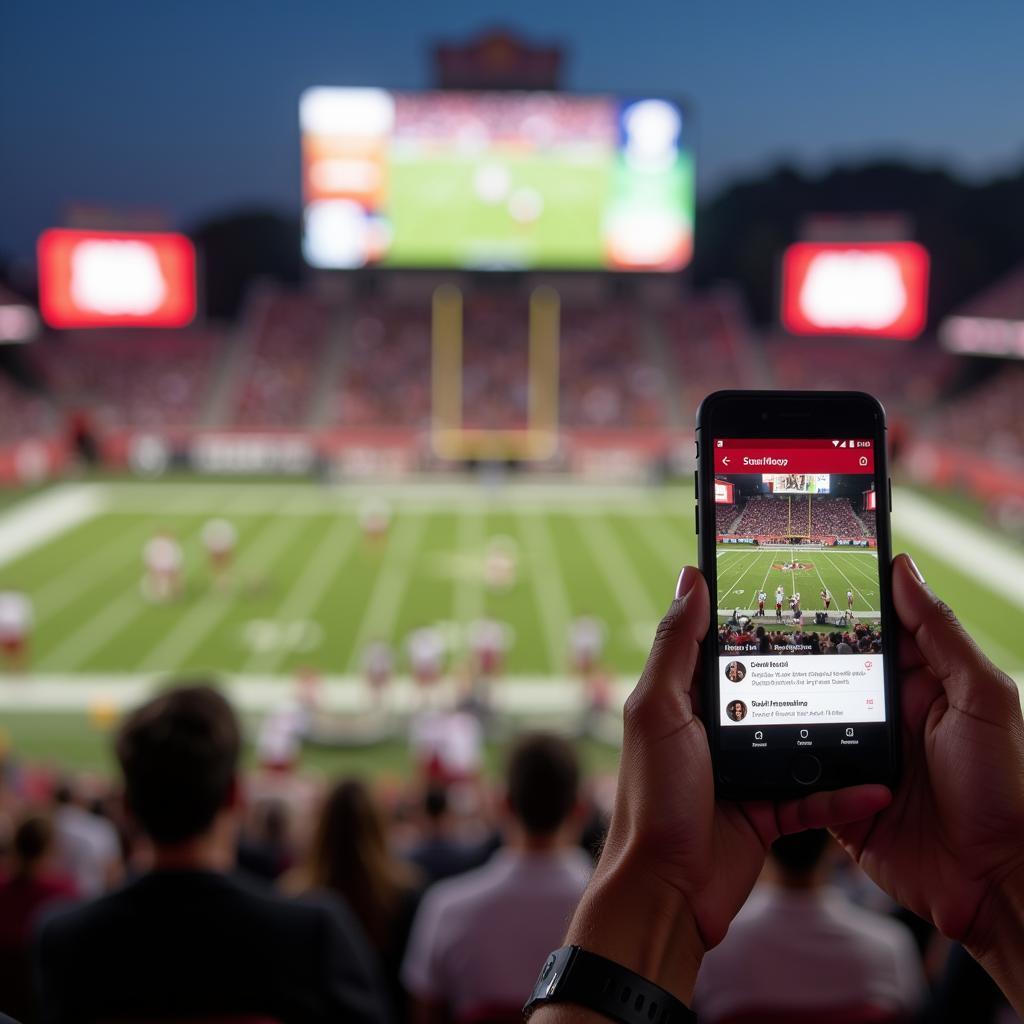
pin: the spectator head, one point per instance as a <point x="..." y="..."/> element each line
<point x="63" y="792"/>
<point x="349" y="856"/>
<point x="179" y="756"/>
<point x="797" y="857"/>
<point x="543" y="778"/>
<point x="844" y="648"/>
<point x="32" y="844"/>
<point x="435" y="804"/>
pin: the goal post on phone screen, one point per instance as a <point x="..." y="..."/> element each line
<point x="451" y="439"/>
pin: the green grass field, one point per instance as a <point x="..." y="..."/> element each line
<point x="309" y="589"/>
<point x="742" y="572"/>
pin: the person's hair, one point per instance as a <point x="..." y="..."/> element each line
<point x="543" y="777"/>
<point x="63" y="792"/>
<point x="799" y="854"/>
<point x="33" y="840"/>
<point x="179" y="755"/>
<point x="764" y="645"/>
<point x="435" y="802"/>
<point x="349" y="856"/>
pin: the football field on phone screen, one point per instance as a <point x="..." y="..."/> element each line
<point x="309" y="589"/>
<point x="744" y="571"/>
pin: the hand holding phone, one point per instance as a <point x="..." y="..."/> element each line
<point x="799" y="688"/>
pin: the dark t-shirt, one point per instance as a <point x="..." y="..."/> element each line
<point x="197" y="941"/>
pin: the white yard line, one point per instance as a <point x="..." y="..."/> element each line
<point x="743" y="569"/>
<point x="554" y="610"/>
<point x="468" y="593"/>
<point x="393" y="577"/>
<point x="37" y="521"/>
<point x="323" y="568"/>
<point x="70" y="584"/>
<point x="624" y="584"/>
<point x="853" y="586"/>
<point x="203" y="617"/>
<point x="970" y="550"/>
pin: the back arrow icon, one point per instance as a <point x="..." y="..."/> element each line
<point x="725" y="460"/>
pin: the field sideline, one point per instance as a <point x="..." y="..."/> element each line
<point x="309" y="589"/>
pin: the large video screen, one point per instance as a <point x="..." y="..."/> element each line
<point x="797" y="483"/>
<point x="495" y="181"/>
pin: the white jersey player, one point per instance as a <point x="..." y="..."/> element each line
<point x="501" y="563"/>
<point x="586" y="643"/>
<point x="761" y="598"/>
<point x="281" y="733"/>
<point x="488" y="642"/>
<point x="794" y="602"/>
<point x="16" y="617"/>
<point x="378" y="666"/>
<point x="163" y="559"/>
<point x="426" y="655"/>
<point x="849" y="600"/>
<point x="375" y="519"/>
<point x="826" y="598"/>
<point x="219" y="540"/>
<point x="780" y="596"/>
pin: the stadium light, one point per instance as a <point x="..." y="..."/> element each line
<point x="872" y="289"/>
<point x="116" y="279"/>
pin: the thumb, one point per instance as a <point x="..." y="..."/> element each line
<point x="971" y="682"/>
<point x="660" y="701"/>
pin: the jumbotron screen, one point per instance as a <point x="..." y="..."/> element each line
<point x="495" y="181"/>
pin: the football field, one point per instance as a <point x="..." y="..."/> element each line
<point x="744" y="571"/>
<point x="309" y="589"/>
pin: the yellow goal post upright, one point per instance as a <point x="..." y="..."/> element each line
<point x="450" y="439"/>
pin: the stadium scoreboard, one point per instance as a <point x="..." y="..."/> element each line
<point x="495" y="181"/>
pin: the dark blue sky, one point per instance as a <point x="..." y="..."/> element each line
<point x="190" y="107"/>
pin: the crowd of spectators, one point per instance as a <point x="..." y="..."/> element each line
<point x="24" y="415"/>
<point x="988" y="419"/>
<point x="801" y="515"/>
<point x="608" y="378"/>
<point x="741" y="634"/>
<point x="142" y="379"/>
<point x="206" y="891"/>
<point x="385" y="373"/>
<point x="725" y="516"/>
<point x="282" y="371"/>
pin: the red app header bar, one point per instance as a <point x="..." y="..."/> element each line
<point x="761" y="455"/>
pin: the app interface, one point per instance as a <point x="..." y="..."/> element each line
<point x="799" y="607"/>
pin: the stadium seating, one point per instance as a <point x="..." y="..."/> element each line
<point x="988" y="418"/>
<point x="608" y="376"/>
<point x="800" y="516"/>
<point x="385" y="374"/>
<point x="282" y="370"/>
<point x="23" y="414"/>
<point x="725" y="516"/>
<point x="131" y="378"/>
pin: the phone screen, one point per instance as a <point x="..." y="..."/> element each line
<point x="799" y="604"/>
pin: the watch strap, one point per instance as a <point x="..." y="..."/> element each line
<point x="574" y="975"/>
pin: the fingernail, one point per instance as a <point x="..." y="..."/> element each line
<point x="914" y="569"/>
<point x="686" y="580"/>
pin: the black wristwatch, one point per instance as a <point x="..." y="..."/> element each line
<point x="572" y="975"/>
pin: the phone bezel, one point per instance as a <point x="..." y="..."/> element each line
<point x="767" y="773"/>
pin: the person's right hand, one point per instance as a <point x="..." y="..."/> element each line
<point x="950" y="846"/>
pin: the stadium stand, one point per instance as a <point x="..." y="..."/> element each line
<point x="597" y="343"/>
<point x="131" y="378"/>
<point x="988" y="419"/>
<point x="725" y="517"/>
<point x="385" y="375"/>
<point x="281" y="372"/>
<point x="800" y="516"/>
<point x="24" y="415"/>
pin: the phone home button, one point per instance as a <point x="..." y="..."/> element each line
<point x="805" y="769"/>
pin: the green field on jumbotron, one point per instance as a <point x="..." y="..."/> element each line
<point x="308" y="589"/>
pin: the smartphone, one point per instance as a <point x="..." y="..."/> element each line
<point x="792" y="513"/>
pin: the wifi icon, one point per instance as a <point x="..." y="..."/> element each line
<point x="835" y="444"/>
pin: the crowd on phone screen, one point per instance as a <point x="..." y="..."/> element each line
<point x="745" y="637"/>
